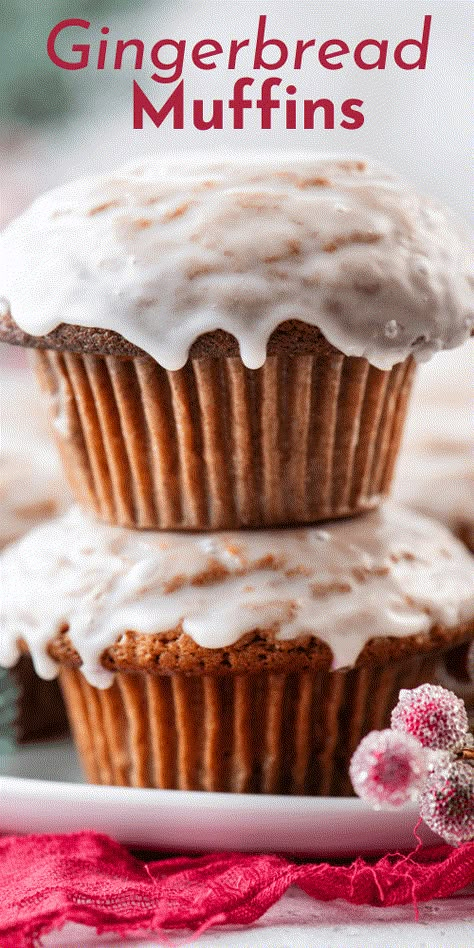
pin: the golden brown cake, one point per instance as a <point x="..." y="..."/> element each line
<point x="228" y="344"/>
<point x="242" y="661"/>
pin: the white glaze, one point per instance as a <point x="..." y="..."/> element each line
<point x="162" y="252"/>
<point x="395" y="573"/>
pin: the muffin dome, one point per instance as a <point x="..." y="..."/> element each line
<point x="161" y="253"/>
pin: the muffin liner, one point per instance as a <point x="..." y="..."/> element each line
<point x="256" y="733"/>
<point x="215" y="445"/>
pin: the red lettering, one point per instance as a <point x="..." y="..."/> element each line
<point x="234" y="49"/>
<point x="325" y="54"/>
<point x="421" y="45"/>
<point x="122" y="45"/>
<point x="262" y="43"/>
<point x="354" y="118"/>
<point x="198" y="53"/>
<point x="174" y="104"/>
<point x="290" y="108"/>
<point x="380" y="62"/>
<point x="310" y="108"/>
<point x="176" y="64"/>
<point x="238" y="103"/>
<point x="76" y="47"/>
<point x="266" y="103"/>
<point x="216" y="120"/>
<point x="300" y="48"/>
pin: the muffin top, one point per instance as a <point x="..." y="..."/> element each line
<point x="390" y="573"/>
<point x="162" y="252"/>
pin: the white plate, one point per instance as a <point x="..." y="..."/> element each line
<point x="42" y="791"/>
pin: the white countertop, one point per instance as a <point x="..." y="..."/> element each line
<point x="447" y="923"/>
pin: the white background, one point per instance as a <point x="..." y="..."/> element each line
<point x="418" y="122"/>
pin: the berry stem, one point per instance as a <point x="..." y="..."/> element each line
<point x="467" y="753"/>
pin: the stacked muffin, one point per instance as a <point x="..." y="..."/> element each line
<point x="31" y="490"/>
<point x="227" y="350"/>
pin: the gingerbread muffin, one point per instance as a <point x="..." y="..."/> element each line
<point x="249" y="661"/>
<point x="31" y="490"/>
<point x="232" y="343"/>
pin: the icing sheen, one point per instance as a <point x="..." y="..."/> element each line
<point x="389" y="573"/>
<point x="163" y="251"/>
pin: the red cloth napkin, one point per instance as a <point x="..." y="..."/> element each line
<point x="88" y="878"/>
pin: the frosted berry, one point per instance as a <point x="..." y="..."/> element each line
<point x="434" y="715"/>
<point x="388" y="768"/>
<point x="447" y="801"/>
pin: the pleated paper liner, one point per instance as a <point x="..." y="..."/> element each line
<point x="214" y="445"/>
<point x="244" y="733"/>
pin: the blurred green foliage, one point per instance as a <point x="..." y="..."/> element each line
<point x="32" y="89"/>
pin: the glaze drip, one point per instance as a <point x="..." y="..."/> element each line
<point x="162" y="252"/>
<point x="389" y="573"/>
